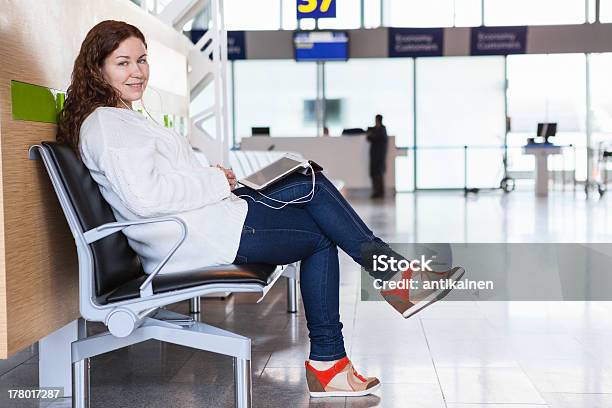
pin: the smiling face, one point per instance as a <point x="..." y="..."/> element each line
<point x="126" y="69"/>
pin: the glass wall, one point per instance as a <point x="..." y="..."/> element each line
<point x="600" y="66"/>
<point x="382" y="86"/>
<point x="417" y="13"/>
<point x="468" y="13"/>
<point x="372" y="14"/>
<point x="348" y="15"/>
<point x="539" y="91"/>
<point x="460" y="101"/>
<point x="289" y="15"/>
<point x="529" y="12"/>
<point x="605" y="11"/>
<point x="252" y="15"/>
<point x="275" y="14"/>
<point x="275" y="94"/>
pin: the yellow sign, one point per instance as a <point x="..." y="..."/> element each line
<point x="316" y="9"/>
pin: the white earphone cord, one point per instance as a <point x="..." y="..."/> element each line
<point x="143" y="107"/>
<point x="285" y="203"/>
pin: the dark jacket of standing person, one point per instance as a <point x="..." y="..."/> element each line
<point x="377" y="136"/>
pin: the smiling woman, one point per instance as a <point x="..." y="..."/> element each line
<point x="127" y="70"/>
<point x="145" y="170"/>
<point x="110" y="70"/>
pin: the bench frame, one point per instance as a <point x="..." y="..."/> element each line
<point x="136" y="320"/>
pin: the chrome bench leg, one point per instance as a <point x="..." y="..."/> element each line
<point x="292" y="288"/>
<point x="242" y="383"/>
<point x="194" y="305"/>
<point x="80" y="384"/>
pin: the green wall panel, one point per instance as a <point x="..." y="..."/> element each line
<point x="35" y="103"/>
<point x="41" y="104"/>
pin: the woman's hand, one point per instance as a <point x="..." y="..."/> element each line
<point x="231" y="177"/>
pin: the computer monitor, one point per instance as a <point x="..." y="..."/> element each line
<point x="260" y="131"/>
<point x="353" y="132"/>
<point x="547" y="130"/>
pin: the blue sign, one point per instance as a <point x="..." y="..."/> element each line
<point x="416" y="42"/>
<point x="236" y="43"/>
<point x="316" y="9"/>
<point x="498" y="40"/>
<point x="321" y="46"/>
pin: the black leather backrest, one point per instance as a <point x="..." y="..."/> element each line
<point x="115" y="263"/>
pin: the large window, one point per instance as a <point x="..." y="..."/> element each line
<point x="252" y="15"/>
<point x="272" y="14"/>
<point x="432" y="13"/>
<point x="366" y="87"/>
<point x="600" y="66"/>
<point x="539" y="91"/>
<point x="372" y="13"/>
<point x="289" y="14"/>
<point x="601" y="98"/>
<point x="275" y="94"/>
<point x="460" y="101"/>
<point x="530" y="12"/>
<point x="416" y="13"/>
<point x="605" y="11"/>
<point x="468" y="13"/>
<point x="348" y="15"/>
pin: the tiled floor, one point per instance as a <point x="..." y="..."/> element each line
<point x="451" y="355"/>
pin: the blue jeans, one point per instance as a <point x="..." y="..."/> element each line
<point x="311" y="233"/>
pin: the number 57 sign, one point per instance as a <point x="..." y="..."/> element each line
<point x="316" y="9"/>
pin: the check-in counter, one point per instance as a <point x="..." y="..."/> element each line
<point x="343" y="157"/>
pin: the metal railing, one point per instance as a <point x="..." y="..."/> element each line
<point x="562" y="169"/>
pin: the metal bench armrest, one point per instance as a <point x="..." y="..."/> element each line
<point x="95" y="234"/>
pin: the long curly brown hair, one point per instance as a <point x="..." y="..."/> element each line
<point x="88" y="89"/>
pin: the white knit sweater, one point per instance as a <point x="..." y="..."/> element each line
<point x="145" y="170"/>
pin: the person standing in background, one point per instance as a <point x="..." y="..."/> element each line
<point x="377" y="136"/>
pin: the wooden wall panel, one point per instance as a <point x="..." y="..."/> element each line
<point x="39" y="41"/>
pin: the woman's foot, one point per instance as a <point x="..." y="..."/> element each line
<point x="409" y="301"/>
<point x="337" y="379"/>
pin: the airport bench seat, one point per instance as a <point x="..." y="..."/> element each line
<point x="226" y="274"/>
<point x="114" y="290"/>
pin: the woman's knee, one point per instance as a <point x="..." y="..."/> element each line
<point x="327" y="244"/>
<point x="321" y="181"/>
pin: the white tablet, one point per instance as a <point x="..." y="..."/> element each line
<point x="273" y="172"/>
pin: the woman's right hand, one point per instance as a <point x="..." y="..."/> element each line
<point x="231" y="177"/>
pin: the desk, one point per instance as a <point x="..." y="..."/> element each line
<point x="541" y="153"/>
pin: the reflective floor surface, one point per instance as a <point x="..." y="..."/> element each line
<point x="452" y="355"/>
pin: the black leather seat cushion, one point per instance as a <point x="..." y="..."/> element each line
<point x="226" y="274"/>
<point x="117" y="269"/>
